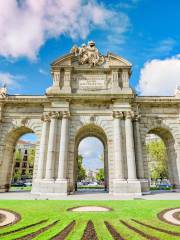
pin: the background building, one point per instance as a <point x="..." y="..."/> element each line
<point x="24" y="160"/>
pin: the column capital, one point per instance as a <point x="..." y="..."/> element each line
<point x="137" y="117"/>
<point x="54" y="115"/>
<point x="45" y="117"/>
<point x="129" y="114"/>
<point x="65" y="114"/>
<point x="118" y="114"/>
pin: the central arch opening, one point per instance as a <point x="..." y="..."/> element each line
<point x="91" y="160"/>
<point x="90" y="165"/>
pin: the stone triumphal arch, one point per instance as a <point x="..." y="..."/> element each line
<point x="90" y="96"/>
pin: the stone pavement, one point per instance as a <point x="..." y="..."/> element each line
<point x="159" y="195"/>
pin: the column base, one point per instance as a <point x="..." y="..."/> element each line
<point x="126" y="187"/>
<point x="4" y="188"/>
<point x="47" y="186"/>
<point x="145" y="186"/>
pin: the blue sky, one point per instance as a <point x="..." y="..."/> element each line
<point x="34" y="33"/>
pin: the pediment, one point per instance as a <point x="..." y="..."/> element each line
<point x="110" y="60"/>
<point x="63" y="60"/>
<point x="115" y="60"/>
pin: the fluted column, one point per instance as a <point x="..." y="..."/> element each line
<point x="51" y="146"/>
<point x="118" y="155"/>
<point x="131" y="164"/>
<point x="63" y="152"/>
<point x="138" y="148"/>
<point x="43" y="145"/>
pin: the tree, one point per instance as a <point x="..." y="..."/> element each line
<point x="18" y="155"/>
<point x="31" y="156"/>
<point x="100" y="175"/>
<point x="81" y="171"/>
<point x="157" y="158"/>
<point x="17" y="176"/>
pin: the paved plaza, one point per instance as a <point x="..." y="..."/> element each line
<point x="159" y="195"/>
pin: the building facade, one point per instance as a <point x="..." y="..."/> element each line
<point x="23" y="166"/>
<point x="90" y="96"/>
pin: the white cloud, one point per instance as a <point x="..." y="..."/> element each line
<point x="161" y="48"/>
<point x="160" y="77"/>
<point x="26" y="25"/>
<point x="118" y="24"/>
<point x="9" y="80"/>
<point x="91" y="149"/>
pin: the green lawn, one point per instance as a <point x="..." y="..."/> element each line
<point x="19" y="189"/>
<point x="142" y="210"/>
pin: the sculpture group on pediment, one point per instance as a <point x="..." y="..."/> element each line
<point x="88" y="54"/>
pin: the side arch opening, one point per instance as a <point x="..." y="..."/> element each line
<point x="161" y="159"/>
<point x="18" y="158"/>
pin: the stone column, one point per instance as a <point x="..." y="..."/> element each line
<point x="49" y="175"/>
<point x="138" y="148"/>
<point x="63" y="152"/>
<point x="131" y="164"/>
<point x="43" y="145"/>
<point x="118" y="155"/>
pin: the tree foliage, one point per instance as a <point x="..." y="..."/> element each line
<point x="157" y="158"/>
<point x="18" y="155"/>
<point x="81" y="171"/>
<point x="31" y="156"/>
<point x="17" y="176"/>
<point x="100" y="175"/>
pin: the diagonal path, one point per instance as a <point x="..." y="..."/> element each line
<point x="65" y="232"/>
<point x="113" y="232"/>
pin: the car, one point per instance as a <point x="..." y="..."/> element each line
<point x="18" y="184"/>
<point x="164" y="186"/>
<point x="92" y="184"/>
<point x="27" y="184"/>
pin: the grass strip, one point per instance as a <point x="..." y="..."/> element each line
<point x="156" y="228"/>
<point x="23" y="228"/>
<point x="143" y="234"/>
<point x="38" y="232"/>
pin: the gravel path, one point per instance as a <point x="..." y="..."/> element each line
<point x="8" y="218"/>
<point x="168" y="216"/>
<point x="90" y="209"/>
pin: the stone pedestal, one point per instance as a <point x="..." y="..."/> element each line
<point x="126" y="187"/>
<point x="144" y="186"/>
<point x="50" y="187"/>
